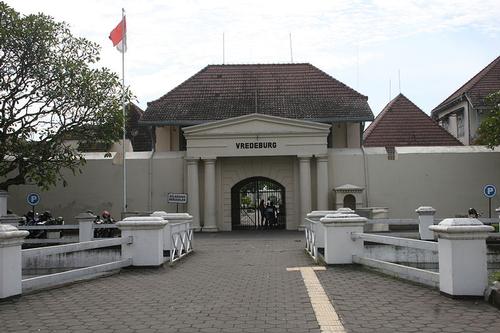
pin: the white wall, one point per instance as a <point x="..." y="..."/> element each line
<point x="450" y="179"/>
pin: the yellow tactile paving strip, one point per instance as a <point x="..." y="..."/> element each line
<point x="326" y="315"/>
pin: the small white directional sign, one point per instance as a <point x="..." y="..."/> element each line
<point x="33" y="199"/>
<point x="179" y="198"/>
<point x="489" y="190"/>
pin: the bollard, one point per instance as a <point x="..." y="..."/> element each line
<point x="146" y="248"/>
<point x="339" y="245"/>
<point x="425" y="220"/>
<point x="319" y="230"/>
<point x="11" y="260"/>
<point x="463" y="269"/>
<point x="86" y="226"/>
<point x="4" y="195"/>
<point x="498" y="213"/>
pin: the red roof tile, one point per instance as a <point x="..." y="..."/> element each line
<point x="477" y="88"/>
<point x="299" y="91"/>
<point x="402" y="123"/>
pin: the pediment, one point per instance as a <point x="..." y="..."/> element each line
<point x="257" y="124"/>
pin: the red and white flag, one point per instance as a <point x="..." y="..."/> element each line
<point x="119" y="36"/>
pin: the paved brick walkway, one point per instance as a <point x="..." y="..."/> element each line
<point x="238" y="282"/>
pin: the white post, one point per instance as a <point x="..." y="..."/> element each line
<point x="146" y="248"/>
<point x="305" y="188"/>
<point x="425" y="220"/>
<point x="209" y="224"/>
<point x="193" y="204"/>
<point x="498" y="213"/>
<point x="339" y="245"/>
<point x="319" y="230"/>
<point x="3" y="202"/>
<point x="322" y="182"/>
<point x="86" y="226"/>
<point x="463" y="269"/>
<point x="10" y="260"/>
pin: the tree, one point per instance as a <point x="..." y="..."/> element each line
<point x="51" y="89"/>
<point x="489" y="130"/>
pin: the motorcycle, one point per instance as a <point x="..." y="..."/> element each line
<point x="46" y="218"/>
<point x="105" y="218"/>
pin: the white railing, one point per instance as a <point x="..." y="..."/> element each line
<point x="405" y="272"/>
<point x="64" y="239"/>
<point x="71" y="275"/>
<point x="181" y="240"/>
<point x="310" y="234"/>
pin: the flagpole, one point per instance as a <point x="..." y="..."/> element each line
<point x="124" y="43"/>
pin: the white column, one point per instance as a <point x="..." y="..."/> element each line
<point x="210" y="196"/>
<point x="425" y="220"/>
<point x="498" y="213"/>
<point x="322" y="182"/>
<point x="463" y="268"/>
<point x="146" y="248"/>
<point x="86" y="226"/>
<point x="339" y="246"/>
<point x="3" y="202"/>
<point x="193" y="204"/>
<point x="305" y="188"/>
<point x="10" y="260"/>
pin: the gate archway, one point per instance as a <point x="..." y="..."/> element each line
<point x="245" y="198"/>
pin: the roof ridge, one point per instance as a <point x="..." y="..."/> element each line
<point x="475" y="79"/>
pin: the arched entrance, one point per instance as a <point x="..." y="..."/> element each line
<point x="245" y="198"/>
<point x="350" y="201"/>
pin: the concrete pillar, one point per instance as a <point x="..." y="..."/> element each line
<point x="319" y="230"/>
<point x="322" y="181"/>
<point x="193" y="204"/>
<point x="3" y="202"/>
<point x="146" y="248"/>
<point x="425" y="220"/>
<point x="463" y="269"/>
<point x="339" y="245"/>
<point x="11" y="260"/>
<point x="11" y="219"/>
<point x="209" y="224"/>
<point x="304" y="188"/>
<point x="498" y="213"/>
<point x="86" y="223"/>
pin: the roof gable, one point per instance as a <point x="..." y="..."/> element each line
<point x="299" y="91"/>
<point x="477" y="88"/>
<point x="402" y="123"/>
<point x="256" y="124"/>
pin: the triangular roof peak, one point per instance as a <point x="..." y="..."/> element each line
<point x="479" y="86"/>
<point x="402" y="123"/>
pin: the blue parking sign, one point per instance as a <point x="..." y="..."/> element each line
<point x="33" y="199"/>
<point x="489" y="190"/>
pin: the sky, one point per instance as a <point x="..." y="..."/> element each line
<point x="425" y="49"/>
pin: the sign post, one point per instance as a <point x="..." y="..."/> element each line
<point x="489" y="191"/>
<point x="177" y="198"/>
<point x="33" y="199"/>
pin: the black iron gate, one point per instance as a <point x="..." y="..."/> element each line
<point x="246" y="197"/>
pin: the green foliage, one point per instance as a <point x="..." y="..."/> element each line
<point x="246" y="200"/>
<point x="489" y="131"/>
<point x="51" y="90"/>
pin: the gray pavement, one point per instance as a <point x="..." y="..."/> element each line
<point x="237" y="282"/>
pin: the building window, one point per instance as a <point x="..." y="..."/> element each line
<point x="460" y="124"/>
<point x="391" y="153"/>
<point x="445" y="123"/>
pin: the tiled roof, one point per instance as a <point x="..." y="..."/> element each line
<point x="477" y="88"/>
<point x="299" y="91"/>
<point x="402" y="123"/>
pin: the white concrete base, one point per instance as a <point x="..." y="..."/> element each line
<point x="10" y="260"/>
<point x="339" y="245"/>
<point x="147" y="234"/>
<point x="209" y="229"/>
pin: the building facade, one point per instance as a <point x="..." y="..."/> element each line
<point x="464" y="110"/>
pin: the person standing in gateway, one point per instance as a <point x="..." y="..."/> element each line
<point x="262" y="208"/>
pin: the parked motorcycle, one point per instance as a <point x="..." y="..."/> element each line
<point x="105" y="218"/>
<point x="34" y="219"/>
